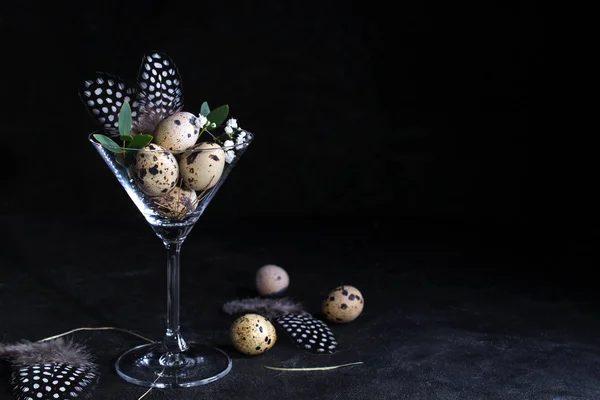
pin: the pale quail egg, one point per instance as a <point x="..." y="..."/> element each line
<point x="252" y="334"/>
<point x="343" y="304"/>
<point x="176" y="204"/>
<point x="202" y="168"/>
<point x="156" y="170"/>
<point x="178" y="131"/>
<point x="271" y="280"/>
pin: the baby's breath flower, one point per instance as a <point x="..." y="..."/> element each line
<point x="228" y="130"/>
<point x="241" y="139"/>
<point x="229" y="156"/>
<point x="232" y="122"/>
<point x="213" y="125"/>
<point x="202" y="120"/>
<point x="228" y="143"/>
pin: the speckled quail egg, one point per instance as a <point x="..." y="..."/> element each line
<point x="271" y="280"/>
<point x="156" y="170"/>
<point x="343" y="304"/>
<point x="252" y="334"/>
<point x="202" y="168"/>
<point x="176" y="204"/>
<point x="178" y="131"/>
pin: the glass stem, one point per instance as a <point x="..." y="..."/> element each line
<point x="173" y="342"/>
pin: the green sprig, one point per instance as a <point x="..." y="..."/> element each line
<point x="125" y="121"/>
<point x="204" y="109"/>
<point x="218" y="115"/>
<point x="128" y="141"/>
<point x="108" y="143"/>
<point x="140" y="141"/>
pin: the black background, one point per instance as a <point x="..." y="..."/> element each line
<point x="409" y="115"/>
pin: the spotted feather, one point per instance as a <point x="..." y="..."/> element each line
<point x="54" y="381"/>
<point x="308" y="333"/>
<point x="156" y="95"/>
<point x="160" y="92"/>
<point x="103" y="97"/>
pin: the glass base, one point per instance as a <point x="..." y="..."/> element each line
<point x="150" y="365"/>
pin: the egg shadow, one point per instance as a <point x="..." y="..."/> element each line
<point x="232" y="352"/>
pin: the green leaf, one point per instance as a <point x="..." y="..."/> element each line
<point x="125" y="119"/>
<point x="108" y="143"/>
<point x="140" y="141"/>
<point x="218" y="115"/>
<point x="205" y="109"/>
<point x="126" y="138"/>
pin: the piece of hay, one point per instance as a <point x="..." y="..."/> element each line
<point x="309" y="369"/>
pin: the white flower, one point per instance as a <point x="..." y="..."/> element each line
<point x="232" y="123"/>
<point x="213" y="125"/>
<point x="202" y="120"/>
<point x="229" y="156"/>
<point x="228" y="143"/>
<point x="228" y="130"/>
<point x="241" y="139"/>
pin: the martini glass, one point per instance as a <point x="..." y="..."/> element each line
<point x="172" y="362"/>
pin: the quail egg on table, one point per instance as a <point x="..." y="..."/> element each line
<point x="202" y="168"/>
<point x="343" y="304"/>
<point x="176" y="204"/>
<point x="252" y="334"/>
<point x="178" y="131"/>
<point x="271" y="280"/>
<point x="156" y="170"/>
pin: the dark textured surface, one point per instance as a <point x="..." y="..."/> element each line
<point x="447" y="315"/>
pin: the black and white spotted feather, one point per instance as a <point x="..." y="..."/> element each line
<point x="160" y="92"/>
<point x="103" y="97"/>
<point x="53" y="382"/>
<point x="52" y="370"/>
<point x="308" y="333"/>
<point x="156" y="95"/>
